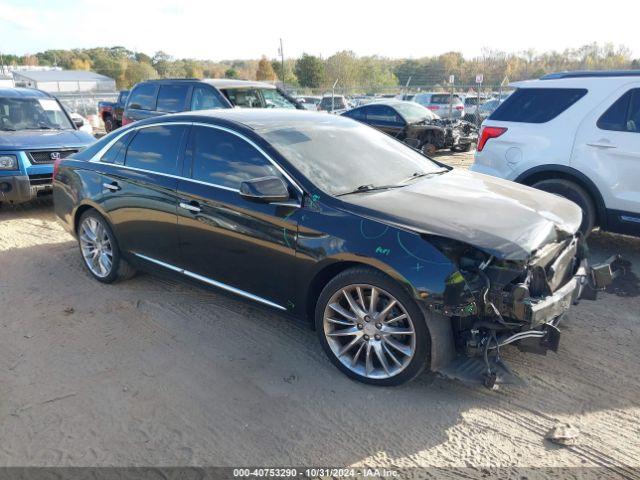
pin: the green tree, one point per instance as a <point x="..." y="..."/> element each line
<point x="310" y="71"/>
<point x="265" y="70"/>
<point x="138" y="72"/>
<point x="230" y="73"/>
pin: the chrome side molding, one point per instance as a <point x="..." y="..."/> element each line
<point x="210" y="281"/>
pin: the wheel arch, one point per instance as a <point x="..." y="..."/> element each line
<point x="548" y="172"/>
<point x="333" y="268"/>
<point x="84" y="207"/>
<point x="441" y="336"/>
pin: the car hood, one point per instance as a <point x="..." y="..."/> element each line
<point x="40" y="139"/>
<point x="505" y="219"/>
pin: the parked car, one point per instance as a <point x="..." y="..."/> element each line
<point x="335" y="103"/>
<point x="416" y="126"/>
<point x="400" y="262"/>
<point x="444" y="104"/>
<point x="111" y="112"/>
<point x="159" y="97"/>
<point x="35" y="130"/>
<point x="78" y="119"/>
<point x="310" y="102"/>
<point x="575" y="134"/>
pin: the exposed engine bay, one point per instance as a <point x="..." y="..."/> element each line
<point x="431" y="135"/>
<point x="493" y="302"/>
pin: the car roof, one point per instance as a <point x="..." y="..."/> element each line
<point x="23" y="93"/>
<point x="258" y="119"/>
<point x="582" y="79"/>
<point x="225" y="83"/>
<point x="233" y="83"/>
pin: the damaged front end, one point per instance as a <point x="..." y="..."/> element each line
<point x="494" y="302"/>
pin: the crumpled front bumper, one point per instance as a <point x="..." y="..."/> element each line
<point x="586" y="281"/>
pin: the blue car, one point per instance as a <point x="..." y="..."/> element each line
<point x="35" y="131"/>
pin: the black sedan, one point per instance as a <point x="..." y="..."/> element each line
<point x="399" y="262"/>
<point x="416" y="125"/>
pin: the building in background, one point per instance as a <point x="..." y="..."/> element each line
<point x="64" y="81"/>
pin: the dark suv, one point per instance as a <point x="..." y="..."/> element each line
<point x="159" y="97"/>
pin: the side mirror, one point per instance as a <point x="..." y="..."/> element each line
<point x="265" y="189"/>
<point x="78" y="122"/>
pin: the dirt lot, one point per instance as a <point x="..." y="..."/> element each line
<point x="155" y="372"/>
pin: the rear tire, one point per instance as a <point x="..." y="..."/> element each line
<point x="109" y="126"/>
<point x="575" y="193"/>
<point x="395" y="358"/>
<point x="100" y="251"/>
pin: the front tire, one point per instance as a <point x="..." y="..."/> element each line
<point x="371" y="328"/>
<point x="575" y="193"/>
<point x="99" y="249"/>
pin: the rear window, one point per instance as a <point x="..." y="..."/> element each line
<point x="443" y="98"/>
<point x="172" y="98"/>
<point x="143" y="97"/>
<point x="537" y="105"/>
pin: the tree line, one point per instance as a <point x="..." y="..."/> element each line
<point x="352" y="72"/>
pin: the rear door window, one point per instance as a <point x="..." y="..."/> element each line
<point x="624" y="114"/>
<point x="537" y="105"/>
<point x="143" y="97"/>
<point x="172" y="98"/>
<point x="156" y="149"/>
<point x="222" y="158"/>
<point x="357" y="113"/>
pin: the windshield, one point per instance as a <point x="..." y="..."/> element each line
<point x="414" y="112"/>
<point x="339" y="155"/>
<point x="32" y="114"/>
<point x="274" y="99"/>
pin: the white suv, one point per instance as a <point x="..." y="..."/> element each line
<point x="575" y="134"/>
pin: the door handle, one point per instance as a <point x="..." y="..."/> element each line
<point x="192" y="207"/>
<point x="114" y="187"/>
<point x="601" y="145"/>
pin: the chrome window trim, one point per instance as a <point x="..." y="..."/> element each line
<point x="98" y="156"/>
<point x="210" y="281"/>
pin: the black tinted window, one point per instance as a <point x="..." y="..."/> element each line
<point x="382" y="115"/>
<point x="204" y="98"/>
<point x="115" y="154"/>
<point x="143" y="97"/>
<point x="172" y="98"/>
<point x="224" y="159"/>
<point x="357" y="114"/>
<point x="537" y="105"/>
<point x="624" y="114"/>
<point x="156" y="149"/>
<point x="444" y="99"/>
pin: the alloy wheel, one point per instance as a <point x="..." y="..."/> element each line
<point x="96" y="246"/>
<point x="369" y="331"/>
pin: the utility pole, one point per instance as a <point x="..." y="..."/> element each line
<point x="284" y="86"/>
<point x="406" y="87"/>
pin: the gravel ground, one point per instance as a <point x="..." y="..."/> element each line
<point x="157" y="372"/>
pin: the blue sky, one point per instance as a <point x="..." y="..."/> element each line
<point x="250" y="28"/>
